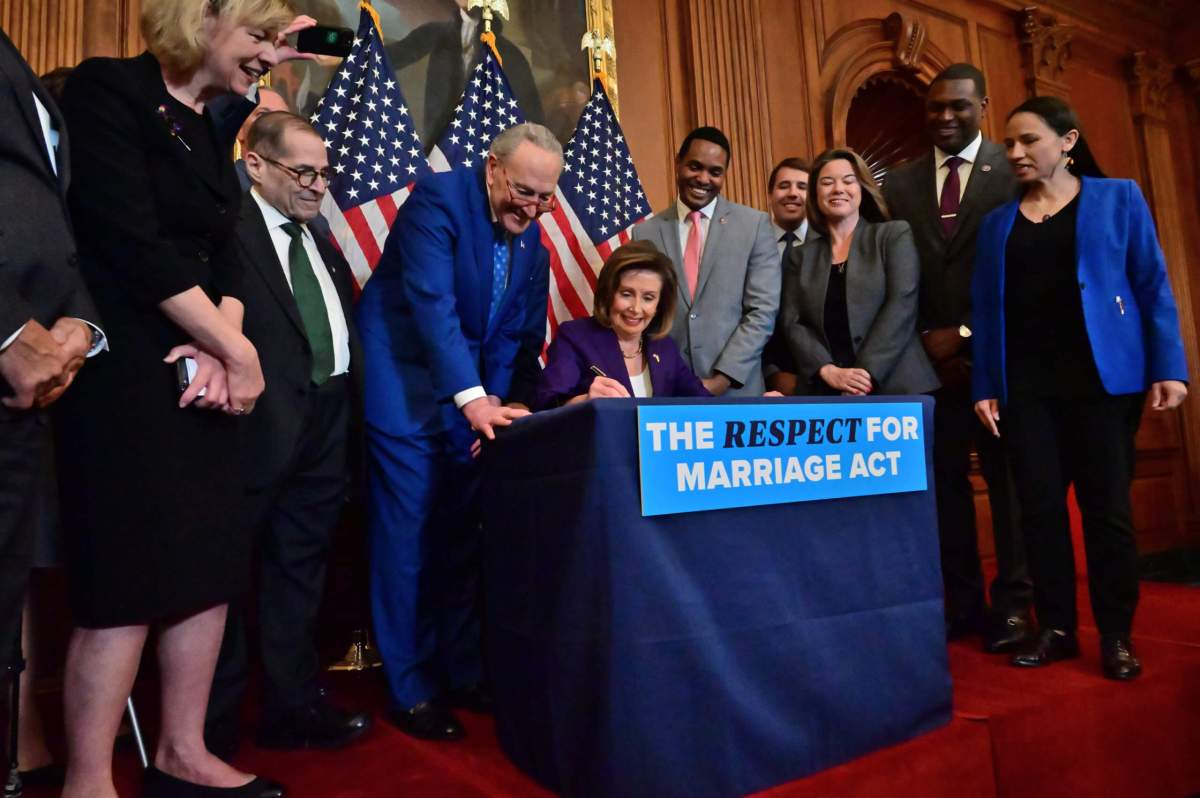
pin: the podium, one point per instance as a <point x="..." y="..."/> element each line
<point x="698" y="654"/>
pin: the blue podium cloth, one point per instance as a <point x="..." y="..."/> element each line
<point x="698" y="654"/>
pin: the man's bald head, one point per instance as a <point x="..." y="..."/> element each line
<point x="268" y="100"/>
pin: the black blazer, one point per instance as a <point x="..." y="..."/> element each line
<point x="39" y="275"/>
<point x="947" y="264"/>
<point x="881" y="301"/>
<point x="273" y="325"/>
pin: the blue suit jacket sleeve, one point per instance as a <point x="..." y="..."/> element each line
<point x="987" y="306"/>
<point x="1146" y="269"/>
<point x="422" y="246"/>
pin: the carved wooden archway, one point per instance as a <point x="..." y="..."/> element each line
<point x="899" y="43"/>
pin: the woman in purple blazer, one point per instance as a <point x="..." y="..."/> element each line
<point x="623" y="350"/>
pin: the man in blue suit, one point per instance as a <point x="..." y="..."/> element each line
<point x="452" y="322"/>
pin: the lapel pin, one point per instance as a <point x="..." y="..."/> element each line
<point x="724" y="219"/>
<point x="656" y="360"/>
<point x="987" y="167"/>
<point x="522" y="243"/>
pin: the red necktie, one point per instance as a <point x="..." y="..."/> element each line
<point x="950" y="196"/>
<point x="691" y="254"/>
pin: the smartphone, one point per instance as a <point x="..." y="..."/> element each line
<point x="185" y="372"/>
<point x="325" y="40"/>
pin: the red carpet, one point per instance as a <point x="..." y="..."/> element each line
<point x="1060" y="731"/>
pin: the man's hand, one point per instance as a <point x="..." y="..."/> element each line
<point x="484" y="416"/>
<point x="855" y="382"/>
<point x="1167" y="394"/>
<point x="717" y="384"/>
<point x="35" y="366"/>
<point x="942" y="343"/>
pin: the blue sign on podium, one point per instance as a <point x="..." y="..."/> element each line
<point x="711" y="456"/>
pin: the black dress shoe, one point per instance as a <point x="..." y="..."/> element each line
<point x="319" y="725"/>
<point x="156" y="784"/>
<point x="427" y="721"/>
<point x="1050" y="645"/>
<point x="475" y="698"/>
<point x="52" y="775"/>
<point x="1117" y="660"/>
<point x="1008" y="634"/>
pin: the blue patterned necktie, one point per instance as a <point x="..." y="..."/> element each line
<point x="499" y="274"/>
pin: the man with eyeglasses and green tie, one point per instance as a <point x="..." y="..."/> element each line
<point x="452" y="323"/>
<point x="299" y="441"/>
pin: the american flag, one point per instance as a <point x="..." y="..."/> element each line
<point x="374" y="150"/>
<point x="487" y="107"/>
<point x="599" y="199"/>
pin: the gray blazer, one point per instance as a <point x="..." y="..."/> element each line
<point x="882" y="274"/>
<point x="725" y="327"/>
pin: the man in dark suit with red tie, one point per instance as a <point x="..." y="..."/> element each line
<point x="944" y="195"/>
<point x="299" y="440"/>
<point x="47" y="319"/>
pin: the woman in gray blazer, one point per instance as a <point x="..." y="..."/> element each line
<point x="849" y="303"/>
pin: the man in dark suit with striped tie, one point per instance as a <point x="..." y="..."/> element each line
<point x="944" y="195"/>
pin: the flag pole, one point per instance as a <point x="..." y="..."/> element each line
<point x="490" y="9"/>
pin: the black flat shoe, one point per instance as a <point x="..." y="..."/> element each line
<point x="1050" y="645"/>
<point x="1117" y="659"/>
<point x="319" y="725"/>
<point x="1008" y="634"/>
<point x="475" y="698"/>
<point x="52" y="775"/>
<point x="427" y="721"/>
<point x="156" y="784"/>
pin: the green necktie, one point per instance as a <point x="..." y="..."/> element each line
<point x="311" y="303"/>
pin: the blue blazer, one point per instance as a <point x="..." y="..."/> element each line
<point x="583" y="343"/>
<point x="423" y="315"/>
<point x="1128" y="308"/>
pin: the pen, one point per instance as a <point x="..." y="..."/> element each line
<point x="596" y="370"/>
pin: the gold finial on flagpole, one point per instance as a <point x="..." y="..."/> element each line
<point x="600" y="46"/>
<point x="490" y="9"/>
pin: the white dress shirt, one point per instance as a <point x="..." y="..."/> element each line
<point x="333" y="303"/>
<point x="969" y="154"/>
<point x="470" y="39"/>
<point x="800" y="232"/>
<point x="685" y="226"/>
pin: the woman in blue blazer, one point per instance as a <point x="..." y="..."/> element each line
<point x="1074" y="322"/>
<point x="623" y="350"/>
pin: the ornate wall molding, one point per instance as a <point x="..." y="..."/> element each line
<point x="1150" y="78"/>
<point x="727" y="65"/>
<point x="1045" y="51"/>
<point x="874" y="47"/>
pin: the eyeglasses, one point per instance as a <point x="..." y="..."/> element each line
<point x="527" y="198"/>
<point x="305" y="176"/>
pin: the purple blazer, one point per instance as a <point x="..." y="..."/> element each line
<point x="583" y="343"/>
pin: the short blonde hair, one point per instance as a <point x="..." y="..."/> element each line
<point x="174" y="29"/>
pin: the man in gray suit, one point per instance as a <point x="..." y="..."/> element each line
<point x="727" y="263"/>
<point x="944" y="195"/>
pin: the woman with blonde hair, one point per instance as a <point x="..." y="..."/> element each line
<point x="152" y="508"/>
<point x="849" y="310"/>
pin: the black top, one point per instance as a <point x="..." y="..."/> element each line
<point x="837" y="320"/>
<point x="1047" y="347"/>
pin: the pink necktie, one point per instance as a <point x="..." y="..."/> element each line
<point x="691" y="254"/>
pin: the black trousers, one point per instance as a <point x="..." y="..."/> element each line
<point x="956" y="431"/>
<point x="298" y="517"/>
<point x="1088" y="442"/>
<point x="25" y="446"/>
